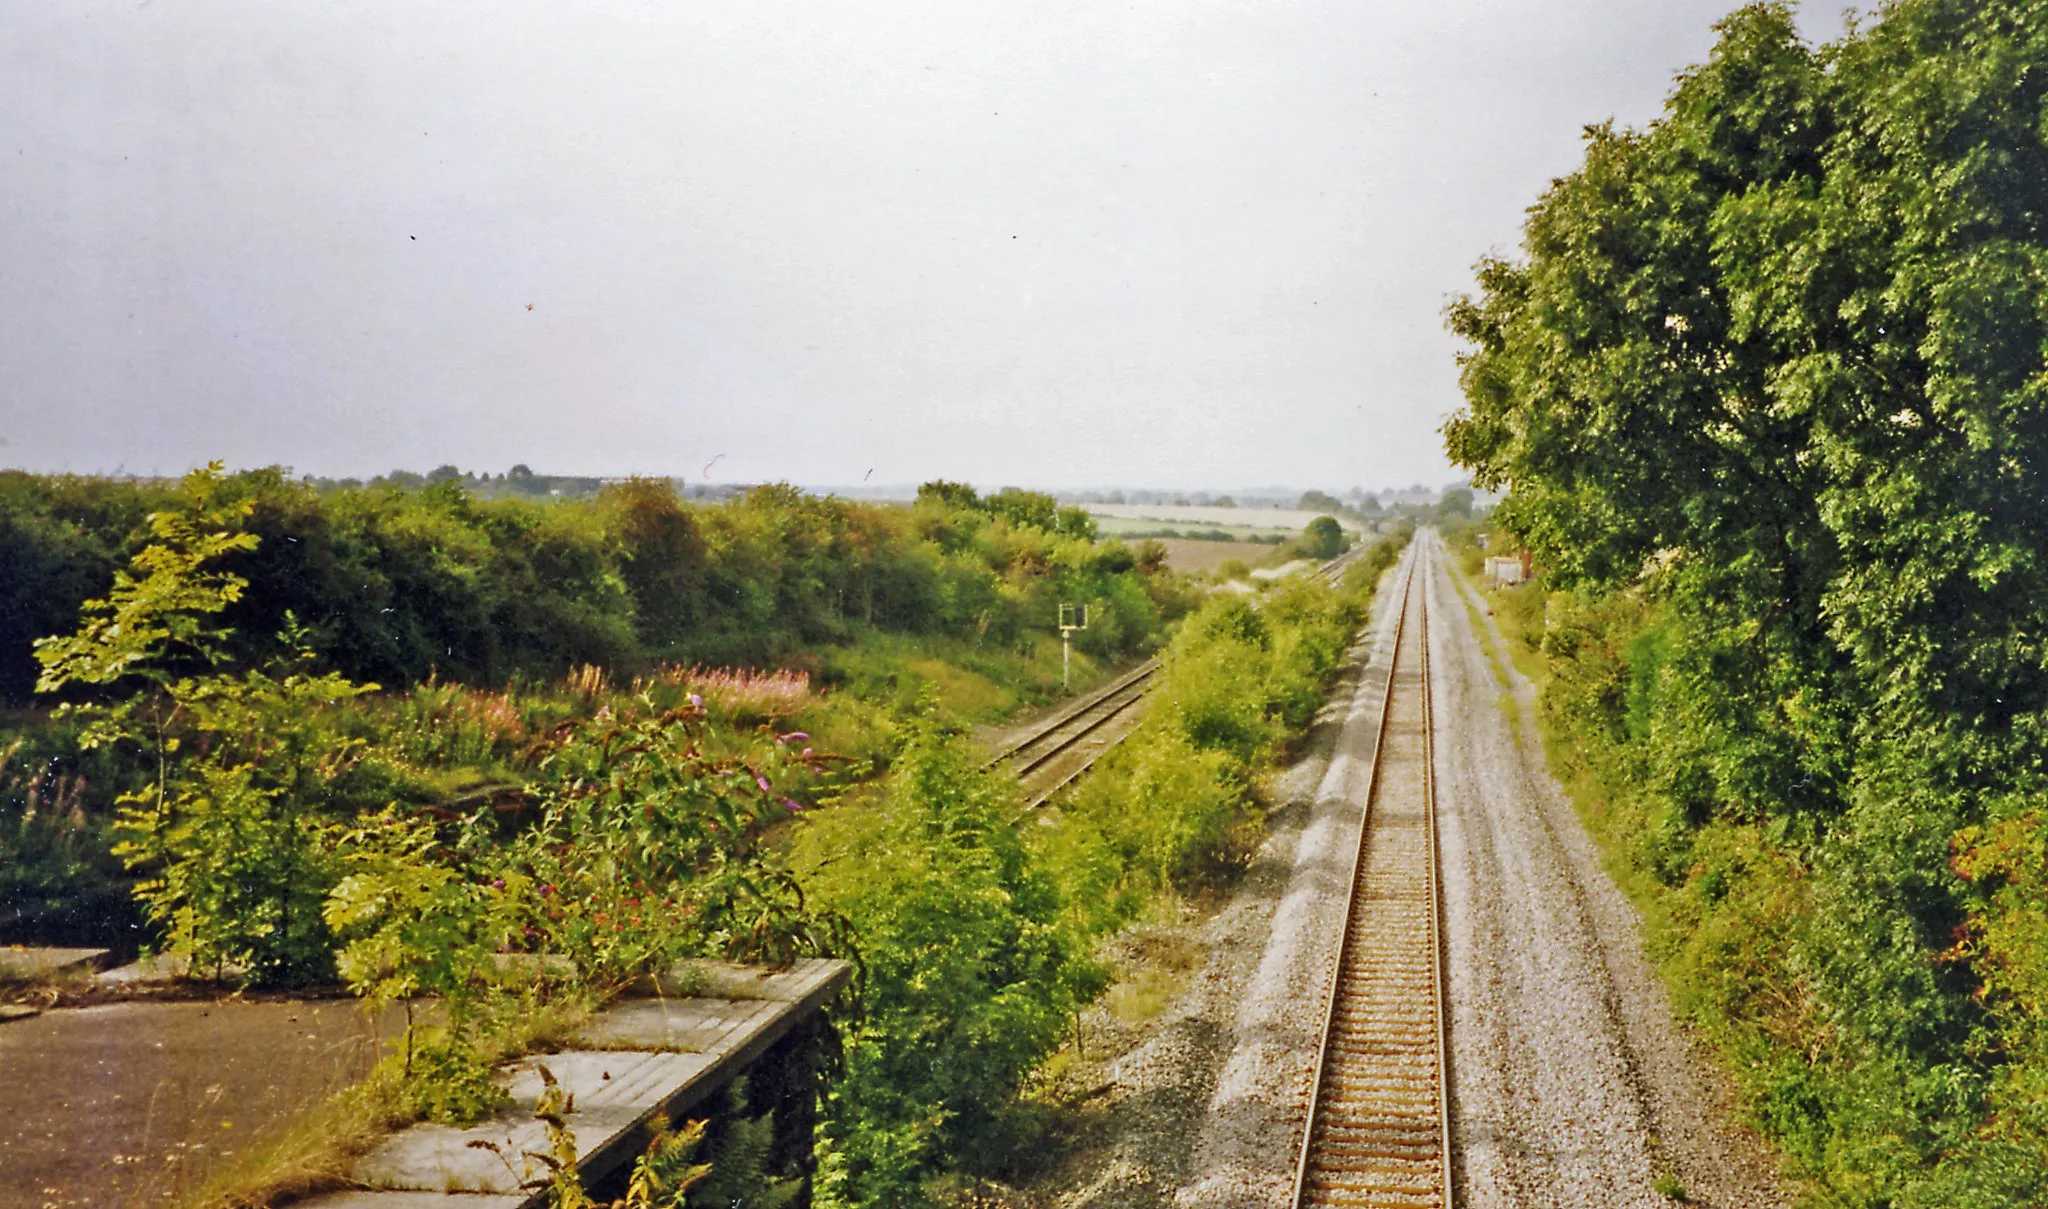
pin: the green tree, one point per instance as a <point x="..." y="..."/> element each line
<point x="662" y="557"/>
<point x="1323" y="538"/>
<point x="1776" y="363"/>
<point x="1456" y="505"/>
<point x="1074" y="521"/>
<point x="234" y="871"/>
<point x="944" y="494"/>
<point x="1034" y="509"/>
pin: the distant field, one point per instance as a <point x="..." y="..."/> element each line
<point x="1288" y="520"/>
<point x="1195" y="557"/>
<point x="1114" y="526"/>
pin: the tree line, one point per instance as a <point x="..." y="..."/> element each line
<point x="398" y="585"/>
<point x="1767" y="391"/>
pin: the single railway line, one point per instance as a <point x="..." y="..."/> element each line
<point x="1378" y="1132"/>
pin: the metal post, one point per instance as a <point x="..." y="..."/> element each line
<point x="1072" y="617"/>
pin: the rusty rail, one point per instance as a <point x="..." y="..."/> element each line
<point x="1378" y="1131"/>
<point x="1086" y="717"/>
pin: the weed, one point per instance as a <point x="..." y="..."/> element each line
<point x="312" y="1154"/>
<point x="740" y="696"/>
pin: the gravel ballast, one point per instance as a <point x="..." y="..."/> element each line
<point x="1572" y="1083"/>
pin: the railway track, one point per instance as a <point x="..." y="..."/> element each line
<point x="1052" y="757"/>
<point x="1379" y="1122"/>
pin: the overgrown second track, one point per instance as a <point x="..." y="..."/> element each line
<point x="1066" y="745"/>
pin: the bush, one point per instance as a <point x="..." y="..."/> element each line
<point x="1323" y="539"/>
<point x="970" y="976"/>
<point x="1162" y="809"/>
<point x="404" y="584"/>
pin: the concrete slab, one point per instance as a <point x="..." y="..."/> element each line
<point x="697" y="1026"/>
<point x="614" y="1093"/>
<point x="795" y="983"/>
<point x="137" y="1104"/>
<point x="415" y="1200"/>
<point x="164" y="969"/>
<point x="30" y="963"/>
<point x="642" y="1058"/>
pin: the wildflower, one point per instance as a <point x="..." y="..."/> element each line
<point x="497" y="883"/>
<point x="792" y="805"/>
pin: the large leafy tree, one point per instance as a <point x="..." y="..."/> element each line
<point x="1778" y="362"/>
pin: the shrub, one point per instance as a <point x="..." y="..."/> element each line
<point x="648" y="848"/>
<point x="1162" y="807"/>
<point x="970" y="975"/>
<point x="1323" y="539"/>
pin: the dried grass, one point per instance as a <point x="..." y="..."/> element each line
<point x="314" y="1153"/>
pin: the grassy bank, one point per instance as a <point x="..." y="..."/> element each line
<point x="1744" y="914"/>
<point x="979" y="921"/>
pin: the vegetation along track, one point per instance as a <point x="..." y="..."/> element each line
<point x="1379" y="1123"/>
<point x="1050" y="758"/>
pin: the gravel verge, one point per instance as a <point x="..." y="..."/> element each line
<point x="1572" y="1082"/>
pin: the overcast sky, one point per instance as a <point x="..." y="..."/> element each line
<point x="1176" y="244"/>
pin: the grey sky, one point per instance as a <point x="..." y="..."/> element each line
<point x="1173" y="244"/>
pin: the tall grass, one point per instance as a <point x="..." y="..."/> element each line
<point x="740" y="696"/>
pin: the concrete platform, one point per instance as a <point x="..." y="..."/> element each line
<point x="639" y="1059"/>
<point x="131" y="1105"/>
<point x="31" y="963"/>
<point x="615" y="1093"/>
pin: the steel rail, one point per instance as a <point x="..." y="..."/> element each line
<point x="1138" y="678"/>
<point x="1438" y="954"/>
<point x="1115" y="706"/>
<point x="1136" y="675"/>
<point x="1313" y="1184"/>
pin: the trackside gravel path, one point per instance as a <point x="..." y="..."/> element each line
<point x="1571" y="1083"/>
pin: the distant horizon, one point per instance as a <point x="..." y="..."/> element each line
<point x="1059" y="244"/>
<point x="889" y="490"/>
